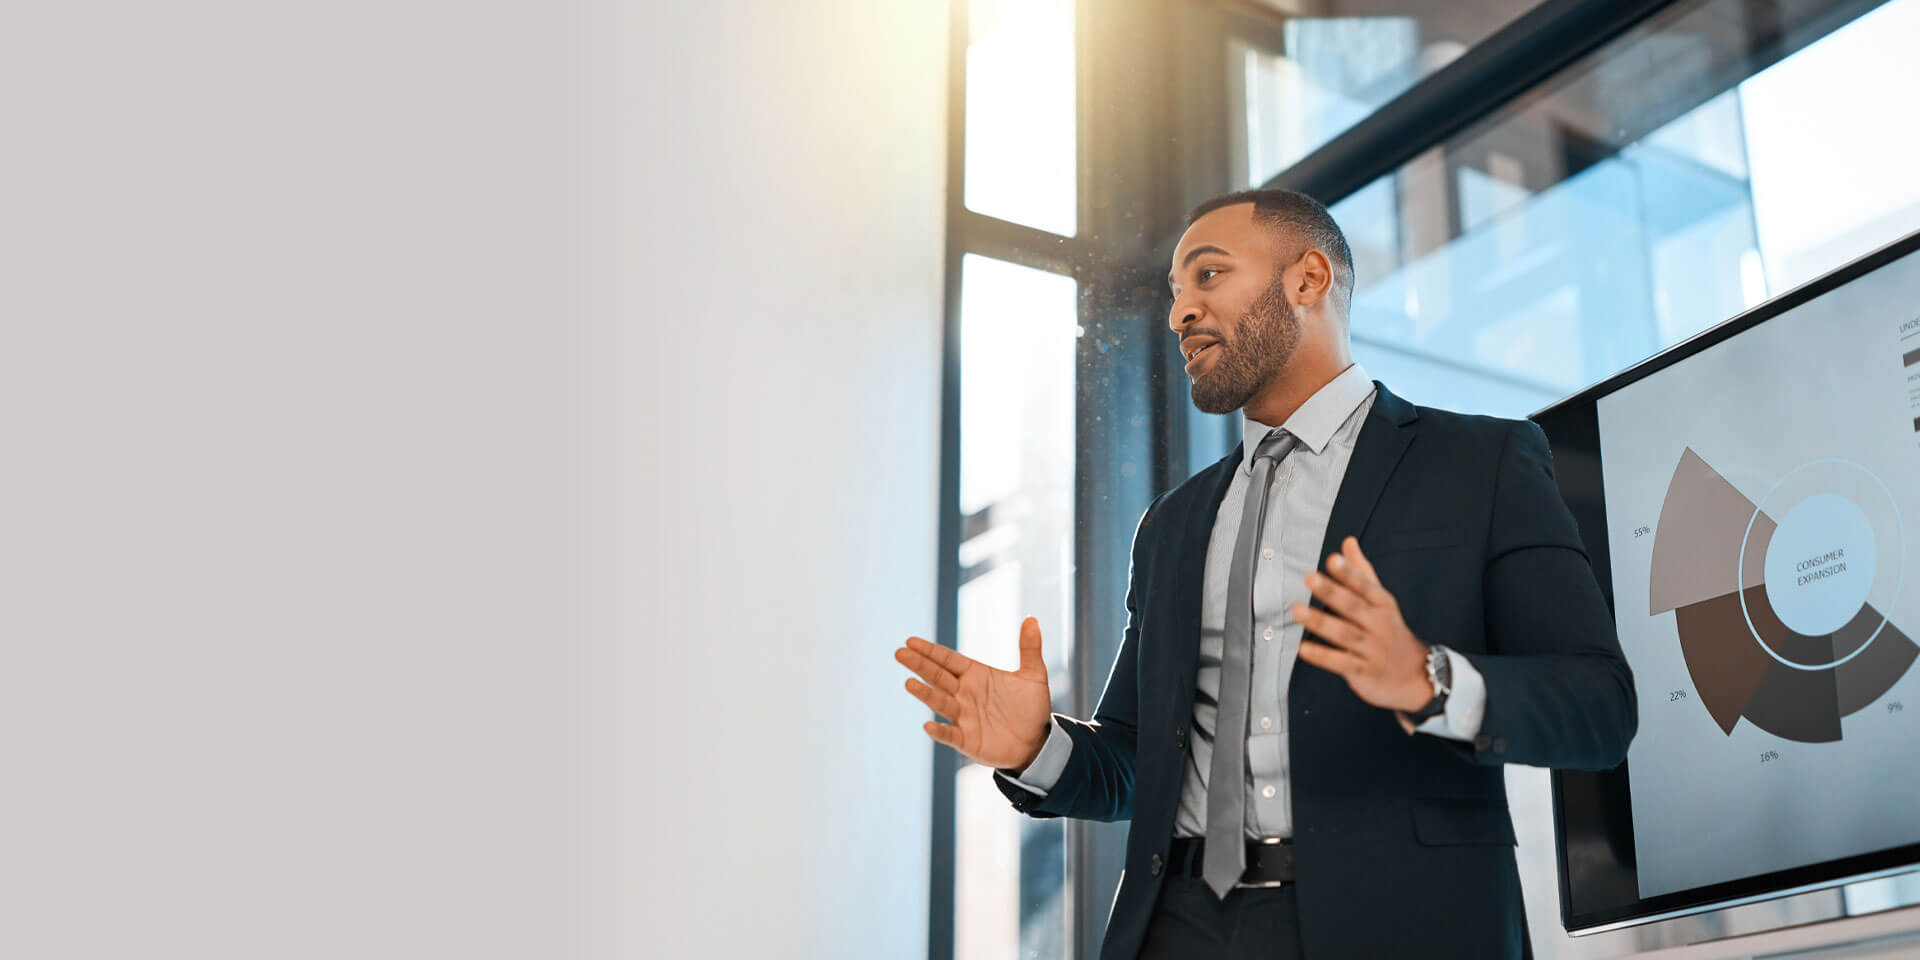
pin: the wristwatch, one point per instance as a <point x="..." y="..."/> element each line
<point x="1440" y="674"/>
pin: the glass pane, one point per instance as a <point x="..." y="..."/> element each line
<point x="1832" y="171"/>
<point x="1304" y="80"/>
<point x="1017" y="349"/>
<point x="1020" y="130"/>
<point x="1677" y="177"/>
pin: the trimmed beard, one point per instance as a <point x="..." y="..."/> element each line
<point x="1264" y="339"/>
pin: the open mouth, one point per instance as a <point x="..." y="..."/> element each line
<point x="1197" y="357"/>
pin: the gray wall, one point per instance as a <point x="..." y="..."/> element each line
<point x="465" y="466"/>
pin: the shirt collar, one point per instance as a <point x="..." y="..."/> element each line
<point x="1314" y="424"/>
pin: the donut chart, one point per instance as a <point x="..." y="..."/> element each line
<point x="1778" y="602"/>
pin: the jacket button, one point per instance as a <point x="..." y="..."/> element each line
<point x="1180" y="737"/>
<point x="1155" y="864"/>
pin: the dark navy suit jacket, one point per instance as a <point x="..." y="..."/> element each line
<point x="1403" y="844"/>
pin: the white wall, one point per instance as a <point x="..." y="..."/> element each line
<point x="462" y="470"/>
<point x="770" y="185"/>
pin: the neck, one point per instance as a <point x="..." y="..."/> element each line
<point x="1313" y="365"/>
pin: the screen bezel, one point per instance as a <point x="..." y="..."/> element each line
<point x="1571" y="426"/>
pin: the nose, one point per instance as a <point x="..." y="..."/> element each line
<point x="1181" y="316"/>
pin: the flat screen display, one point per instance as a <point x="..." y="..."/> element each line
<point x="1751" y="503"/>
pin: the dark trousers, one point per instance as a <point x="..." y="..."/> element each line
<point x="1190" y="924"/>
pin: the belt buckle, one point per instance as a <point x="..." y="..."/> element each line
<point x="1264" y="884"/>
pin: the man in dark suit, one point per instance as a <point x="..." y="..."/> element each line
<point x="1336" y="636"/>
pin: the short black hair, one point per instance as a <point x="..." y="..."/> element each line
<point x="1305" y="217"/>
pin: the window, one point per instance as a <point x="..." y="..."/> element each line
<point x="1017" y="333"/>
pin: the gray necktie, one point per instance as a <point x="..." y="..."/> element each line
<point x="1226" y="851"/>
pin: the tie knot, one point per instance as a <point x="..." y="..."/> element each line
<point x="1274" y="447"/>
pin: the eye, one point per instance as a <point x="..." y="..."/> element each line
<point x="1204" y="271"/>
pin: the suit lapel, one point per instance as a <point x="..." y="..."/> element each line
<point x="1190" y="565"/>
<point x="1383" y="439"/>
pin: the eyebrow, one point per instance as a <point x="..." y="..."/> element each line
<point x="1194" y="254"/>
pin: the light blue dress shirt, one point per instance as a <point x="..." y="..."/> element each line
<point x="1300" y="501"/>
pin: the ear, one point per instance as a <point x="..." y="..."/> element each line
<point x="1310" y="279"/>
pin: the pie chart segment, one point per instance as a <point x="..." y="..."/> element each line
<point x="1702" y="514"/>
<point x="1859" y="630"/>
<point x="1725" y="675"/>
<point x="1864" y="678"/>
<point x="1801" y="705"/>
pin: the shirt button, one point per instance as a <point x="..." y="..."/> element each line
<point x="1267" y="791"/>
<point x="1269" y="634"/>
<point x="1266" y="554"/>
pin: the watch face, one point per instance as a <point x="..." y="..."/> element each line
<point x="1441" y="668"/>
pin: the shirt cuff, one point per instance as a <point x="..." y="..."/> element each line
<point x="1466" y="703"/>
<point x="1045" y="770"/>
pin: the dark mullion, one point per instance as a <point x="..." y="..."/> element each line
<point x="1518" y="57"/>
<point x="946" y="763"/>
<point x="1014" y="243"/>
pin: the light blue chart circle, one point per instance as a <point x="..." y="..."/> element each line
<point x="1820" y="564"/>
<point x="1899" y="577"/>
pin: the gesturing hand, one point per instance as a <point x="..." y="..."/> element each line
<point x="1364" y="639"/>
<point x="999" y="718"/>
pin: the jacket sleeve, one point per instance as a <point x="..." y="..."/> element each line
<point x="1558" y="691"/>
<point x="1098" y="781"/>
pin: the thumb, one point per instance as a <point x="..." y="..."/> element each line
<point x="1030" y="662"/>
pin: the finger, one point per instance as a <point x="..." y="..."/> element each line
<point x="928" y="670"/>
<point x="1337" y="597"/>
<point x="1368" y="584"/>
<point x="947" y="658"/>
<point x="1030" y="662"/>
<point x="1329" y="628"/>
<point x="1331" y="659"/>
<point x="938" y="701"/>
<point x="1341" y="569"/>
<point x="945" y="733"/>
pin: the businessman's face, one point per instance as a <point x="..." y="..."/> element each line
<point x="1236" y="327"/>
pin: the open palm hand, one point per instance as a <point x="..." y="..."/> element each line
<point x="995" y="717"/>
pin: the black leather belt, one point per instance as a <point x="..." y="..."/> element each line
<point x="1269" y="861"/>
